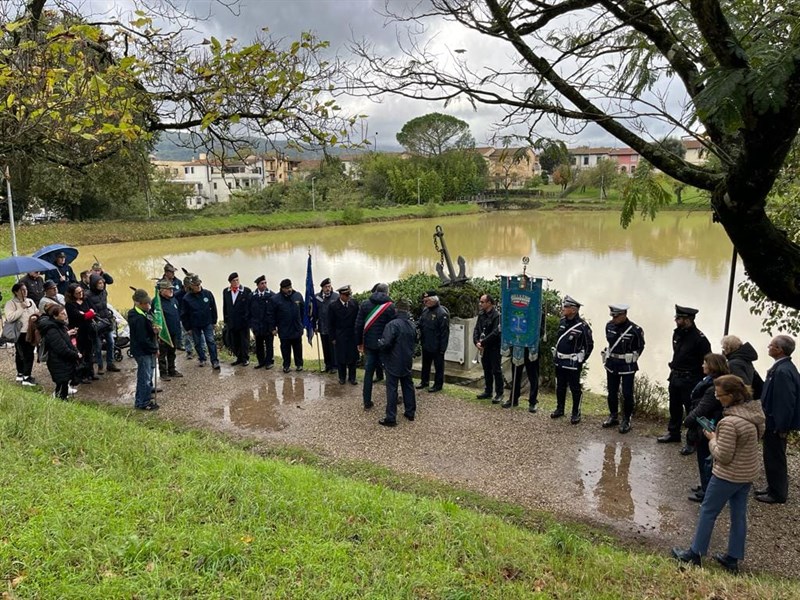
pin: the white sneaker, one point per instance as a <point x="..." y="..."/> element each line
<point x="72" y="391"/>
<point x="28" y="381"/>
<point x="19" y="378"/>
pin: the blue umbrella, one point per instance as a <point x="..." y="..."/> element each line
<point x="48" y="253"/>
<point x="14" y="265"/>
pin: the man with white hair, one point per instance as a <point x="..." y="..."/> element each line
<point x="434" y="333"/>
<point x="781" y="402"/>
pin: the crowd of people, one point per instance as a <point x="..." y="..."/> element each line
<point x="714" y="404"/>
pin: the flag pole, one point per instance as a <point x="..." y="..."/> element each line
<point x="319" y="360"/>
<point x="11" y="213"/>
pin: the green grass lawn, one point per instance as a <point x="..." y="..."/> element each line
<point x="100" y="503"/>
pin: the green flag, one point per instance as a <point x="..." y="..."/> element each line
<point x="158" y="319"/>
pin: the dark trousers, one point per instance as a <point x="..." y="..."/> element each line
<point x="294" y="345"/>
<point x="703" y="460"/>
<point x="348" y="372"/>
<point x="437" y="360"/>
<point x="166" y="358"/>
<point x="409" y="399"/>
<point x="568" y="378"/>
<point x="328" y="351"/>
<point x="680" y="401"/>
<point x="490" y="360"/>
<point x="265" y="352"/>
<point x="62" y="389"/>
<point x="23" y="356"/>
<point x="372" y="362"/>
<point x="86" y="366"/>
<point x="240" y="343"/>
<point x="531" y="368"/>
<point x="775" y="465"/>
<point x="614" y="380"/>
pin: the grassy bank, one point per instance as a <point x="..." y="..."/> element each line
<point x="97" y="504"/>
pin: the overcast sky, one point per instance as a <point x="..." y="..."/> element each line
<point x="342" y="21"/>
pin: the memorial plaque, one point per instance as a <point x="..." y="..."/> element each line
<point x="455" y="347"/>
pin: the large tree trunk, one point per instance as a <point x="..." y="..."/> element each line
<point x="772" y="261"/>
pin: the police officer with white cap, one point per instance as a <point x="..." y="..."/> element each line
<point x="625" y="345"/>
<point x="574" y="345"/>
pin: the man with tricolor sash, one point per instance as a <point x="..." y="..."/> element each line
<point x="373" y="315"/>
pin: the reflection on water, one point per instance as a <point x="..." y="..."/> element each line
<point x="258" y="408"/>
<point x="678" y="258"/>
<point x="617" y="483"/>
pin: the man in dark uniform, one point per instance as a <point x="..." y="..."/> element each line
<point x="324" y="300"/>
<point x="342" y="316"/>
<point x="625" y="345"/>
<point x="434" y="332"/>
<point x="373" y="315"/>
<point x="289" y="309"/>
<point x="486" y="337"/>
<point x="689" y="346"/>
<point x="62" y="274"/>
<point x="574" y="345"/>
<point x="397" y="346"/>
<point x="236" y="315"/>
<point x="172" y="319"/>
<point x="261" y="322"/>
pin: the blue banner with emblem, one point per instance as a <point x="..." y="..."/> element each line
<point x="521" y="300"/>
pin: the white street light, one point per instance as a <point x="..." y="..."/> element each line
<point x="313" y="197"/>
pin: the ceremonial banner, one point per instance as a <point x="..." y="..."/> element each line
<point x="521" y="301"/>
<point x="310" y="316"/>
<point x="158" y="319"/>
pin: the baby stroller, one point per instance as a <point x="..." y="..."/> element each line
<point x="121" y="334"/>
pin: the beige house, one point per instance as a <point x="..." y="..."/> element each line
<point x="510" y="168"/>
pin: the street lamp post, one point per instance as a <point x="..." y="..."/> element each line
<point x="313" y="196"/>
<point x="418" y="201"/>
<point x="376" y="142"/>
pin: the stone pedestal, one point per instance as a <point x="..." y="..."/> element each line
<point x="461" y="352"/>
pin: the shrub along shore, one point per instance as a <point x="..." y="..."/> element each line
<point x="99" y="504"/>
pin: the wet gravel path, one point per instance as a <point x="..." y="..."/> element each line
<point x="626" y="483"/>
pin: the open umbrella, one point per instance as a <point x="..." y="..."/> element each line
<point x="14" y="265"/>
<point x="48" y="253"/>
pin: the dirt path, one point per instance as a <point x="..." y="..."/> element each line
<point x="628" y="483"/>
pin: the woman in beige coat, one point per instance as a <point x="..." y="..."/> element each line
<point x="19" y="310"/>
<point x="734" y="448"/>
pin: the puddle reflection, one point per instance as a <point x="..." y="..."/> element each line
<point x="617" y="483"/>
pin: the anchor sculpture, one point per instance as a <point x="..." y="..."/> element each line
<point x="441" y="247"/>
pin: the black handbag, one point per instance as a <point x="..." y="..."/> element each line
<point x="101" y="325"/>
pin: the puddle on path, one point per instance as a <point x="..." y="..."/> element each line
<point x="618" y="482"/>
<point x="262" y="408"/>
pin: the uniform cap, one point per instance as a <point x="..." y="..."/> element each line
<point x="163" y="284"/>
<point x="429" y="293"/>
<point x="233" y="276"/>
<point x="61" y="255"/>
<point x="188" y="279"/>
<point x="97" y="267"/>
<point x="286" y="283"/>
<point x="570" y="301"/>
<point x="325" y="282"/>
<point x="169" y="268"/>
<point x="141" y="297"/>
<point x="685" y="311"/>
<point x="617" y="309"/>
<point x="259" y="279"/>
<point x="49" y="284"/>
<point x="345" y="289"/>
<point x="195" y="280"/>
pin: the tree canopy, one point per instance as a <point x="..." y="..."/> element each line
<point x="552" y="153"/>
<point x="434" y="134"/>
<point x="78" y="89"/>
<point x="618" y="64"/>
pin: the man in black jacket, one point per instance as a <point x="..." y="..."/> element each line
<point x="397" y="348"/>
<point x="689" y="346"/>
<point x="434" y="333"/>
<point x="172" y="319"/>
<point x="342" y="326"/>
<point x="373" y="315"/>
<point x="289" y="309"/>
<point x="144" y="349"/>
<point x="324" y="300"/>
<point x="261" y="322"/>
<point x="486" y="337"/>
<point x="781" y="402"/>
<point x="236" y="314"/>
<point x="62" y="273"/>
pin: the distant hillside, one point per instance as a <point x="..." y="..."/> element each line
<point x="169" y="148"/>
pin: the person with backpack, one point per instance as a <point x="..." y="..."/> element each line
<point x="60" y="353"/>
